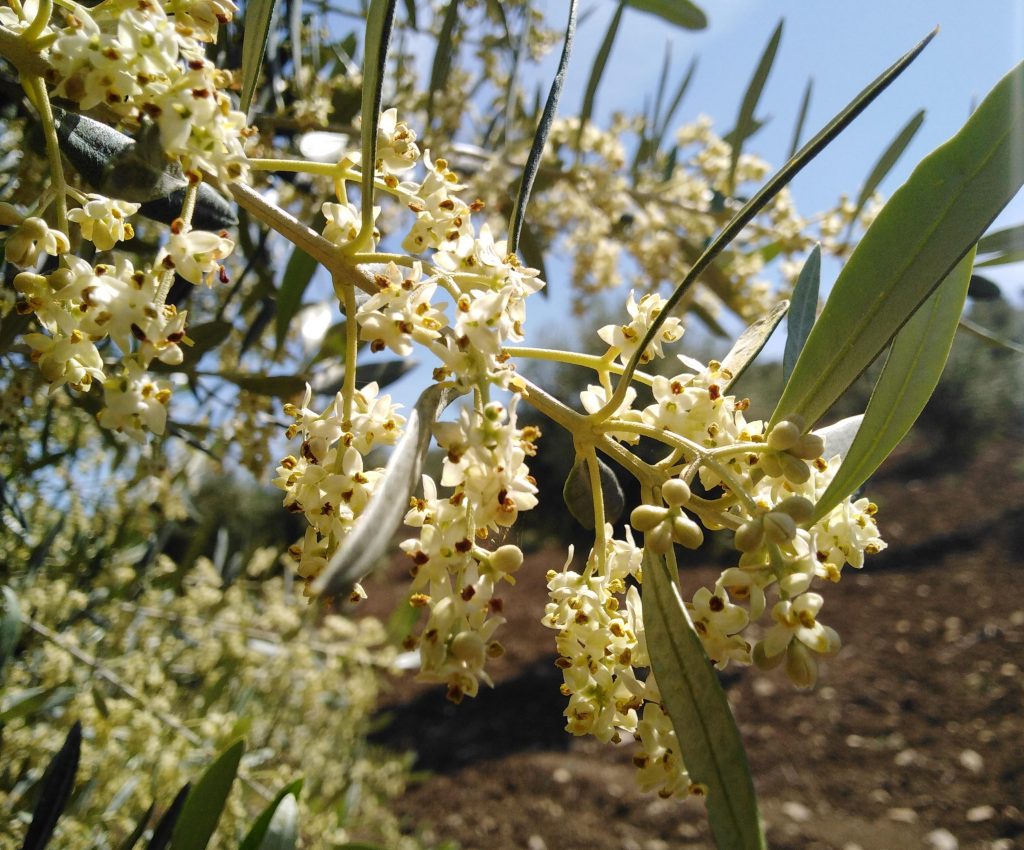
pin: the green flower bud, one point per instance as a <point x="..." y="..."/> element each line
<point x="675" y="492"/>
<point x="809" y="447"/>
<point x="794" y="469"/>
<point x="750" y="535"/>
<point x="766" y="662"/>
<point x="645" y="517"/>
<point x="798" y="507"/>
<point x="785" y="435"/>
<point x="659" y="538"/>
<point x="779" y="527"/>
<point x="771" y="466"/>
<point x="686" y="532"/>
<point x="507" y="559"/>
<point x="801" y="666"/>
<point x="470" y="648"/>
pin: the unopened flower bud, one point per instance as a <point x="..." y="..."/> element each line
<point x="646" y="517"/>
<point x="809" y="447"/>
<point x="750" y="535"/>
<point x="769" y="462"/>
<point x="659" y="539"/>
<point x="507" y="559"/>
<point x="470" y="648"/>
<point x="675" y="492"/>
<point x="801" y="665"/>
<point x="9" y="215"/>
<point x="686" y="532"/>
<point x="795" y="470"/>
<point x="785" y="435"/>
<point x="763" y="661"/>
<point x="779" y="527"/>
<point x="798" y="507"/>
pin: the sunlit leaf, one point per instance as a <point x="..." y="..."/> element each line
<point x="442" y="64"/>
<point x="801" y="118"/>
<point x="746" y="122"/>
<point x="54" y="791"/>
<point x="682" y="13"/>
<point x="597" y="70"/>
<point x="540" y="138"/>
<point x="910" y="375"/>
<point x="254" y="838"/>
<point x="379" y="19"/>
<point x="890" y="156"/>
<point x="924" y="230"/>
<point x="839" y="435"/>
<point x="256" y="31"/>
<point x="704" y="263"/>
<point x="297" y="275"/>
<point x="579" y="497"/>
<point x="749" y="343"/>
<point x="1002" y="241"/>
<point x="708" y="737"/>
<point x="371" y="537"/>
<point x="283" y="829"/>
<point x="803" y="310"/>
<point x="205" y="802"/>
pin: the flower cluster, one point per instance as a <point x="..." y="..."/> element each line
<point x="603" y="657"/>
<point x="147" y="62"/>
<point x="455" y="577"/>
<point x="327" y="483"/>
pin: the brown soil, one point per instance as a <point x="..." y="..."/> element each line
<point x="914" y="737"/>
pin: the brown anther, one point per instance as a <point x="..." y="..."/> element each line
<point x="714" y="392"/>
<point x="138" y="332"/>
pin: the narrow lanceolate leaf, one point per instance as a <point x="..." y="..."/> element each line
<point x="890" y="156"/>
<point x="256" y="31"/>
<point x="762" y="198"/>
<point x="839" y="436"/>
<point x="746" y="122"/>
<point x="673" y="107"/>
<point x="710" y="742"/>
<point x="801" y="118"/>
<point x="371" y="536"/>
<point x="258" y="830"/>
<point x="164" y="829"/>
<point x="410" y="13"/>
<point x="1002" y="241"/>
<point x="379" y="19"/>
<point x="597" y="70"/>
<point x="133" y="837"/>
<point x="297" y="275"/>
<point x="279" y="386"/>
<point x="749" y="343"/>
<point x="1004" y="259"/>
<point x="10" y="626"/>
<point x="991" y="337"/>
<point x="283" y="830"/>
<point x="55" y="791"/>
<point x="682" y="13"/>
<point x="206" y="801"/>
<point x="924" y="230"/>
<point x="802" y="311"/>
<point x="540" y="138"/>
<point x="442" y="65"/>
<point x="911" y="372"/>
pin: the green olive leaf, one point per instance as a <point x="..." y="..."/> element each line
<point x="691" y="693"/>
<point x="925" y="229"/>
